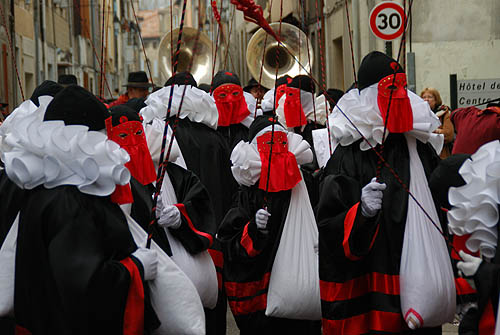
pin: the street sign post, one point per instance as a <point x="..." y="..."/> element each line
<point x="387" y="20"/>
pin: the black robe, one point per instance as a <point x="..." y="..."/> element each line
<point x="70" y="276"/>
<point x="197" y="229"/>
<point x="248" y="259"/>
<point x="233" y="134"/>
<point x="359" y="258"/>
<point x="207" y="154"/>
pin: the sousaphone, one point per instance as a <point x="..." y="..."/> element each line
<point x="294" y="39"/>
<point x="203" y="61"/>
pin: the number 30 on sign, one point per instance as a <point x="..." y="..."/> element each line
<point x="387" y="20"/>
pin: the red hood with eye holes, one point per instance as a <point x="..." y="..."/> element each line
<point x="231" y="104"/>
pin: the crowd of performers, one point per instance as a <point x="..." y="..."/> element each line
<point x="304" y="212"/>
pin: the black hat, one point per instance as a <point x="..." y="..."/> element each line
<point x="181" y="78"/>
<point x="67" y="79"/>
<point x="334" y="94"/>
<point x="76" y="105"/>
<point x="303" y="82"/>
<point x="136" y="104"/>
<point x="204" y="87"/>
<point x="375" y="66"/>
<point x="251" y="84"/>
<point x="138" y="79"/>
<point x="446" y="175"/>
<point x="286" y="79"/>
<point x="260" y="123"/>
<point x="117" y="112"/>
<point x="48" y="87"/>
<point x="225" y="77"/>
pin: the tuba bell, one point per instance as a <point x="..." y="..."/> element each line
<point x="203" y="62"/>
<point x="294" y="39"/>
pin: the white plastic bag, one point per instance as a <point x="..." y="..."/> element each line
<point x="294" y="285"/>
<point x="173" y="296"/>
<point x="7" y="270"/>
<point x="427" y="285"/>
<point x="199" y="268"/>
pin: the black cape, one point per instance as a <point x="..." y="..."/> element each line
<point x="207" y="154"/>
<point x="233" y="134"/>
<point x="68" y="277"/>
<point x="374" y="246"/>
<point x="197" y="229"/>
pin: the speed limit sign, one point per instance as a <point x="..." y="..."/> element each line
<point x="387" y="20"/>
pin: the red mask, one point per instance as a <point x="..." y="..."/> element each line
<point x="285" y="172"/>
<point x="280" y="91"/>
<point x="400" y="114"/>
<point x="294" y="113"/>
<point x="231" y="104"/>
<point x="130" y="136"/>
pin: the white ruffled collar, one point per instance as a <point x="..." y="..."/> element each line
<point x="362" y="109"/>
<point x="197" y="106"/>
<point x="246" y="158"/>
<point x="475" y="204"/>
<point x="52" y="154"/>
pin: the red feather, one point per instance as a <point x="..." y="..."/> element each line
<point x="254" y="13"/>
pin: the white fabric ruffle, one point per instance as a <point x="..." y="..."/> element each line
<point x="267" y="103"/>
<point x="52" y="154"/>
<point x="251" y="103"/>
<point x="197" y="106"/>
<point x="475" y="204"/>
<point x="246" y="158"/>
<point x="322" y="108"/>
<point x="362" y="109"/>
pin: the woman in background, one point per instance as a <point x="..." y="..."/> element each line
<point x="433" y="98"/>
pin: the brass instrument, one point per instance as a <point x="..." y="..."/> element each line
<point x="294" y="39"/>
<point x="203" y="62"/>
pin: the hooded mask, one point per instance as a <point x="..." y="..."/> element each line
<point x="229" y="98"/>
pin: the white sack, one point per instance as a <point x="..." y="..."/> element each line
<point x="199" y="268"/>
<point x="427" y="284"/>
<point x="294" y="285"/>
<point x="173" y="296"/>
<point x="7" y="270"/>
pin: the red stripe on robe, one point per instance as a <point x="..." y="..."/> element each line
<point x="247" y="243"/>
<point x="133" y="319"/>
<point x="184" y="213"/>
<point x="371" y="282"/>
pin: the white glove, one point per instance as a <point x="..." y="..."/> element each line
<point x="468" y="267"/>
<point x="261" y="218"/>
<point x="371" y="198"/>
<point x="168" y="217"/>
<point x="149" y="260"/>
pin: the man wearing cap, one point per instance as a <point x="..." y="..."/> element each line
<point x="255" y="89"/>
<point x="77" y="268"/>
<point x="137" y="87"/>
<point x="362" y="218"/>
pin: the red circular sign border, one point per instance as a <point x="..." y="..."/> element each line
<point x="373" y="18"/>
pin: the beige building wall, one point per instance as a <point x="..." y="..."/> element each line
<point x="448" y="37"/>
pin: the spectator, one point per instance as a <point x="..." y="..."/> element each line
<point x="433" y="98"/>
